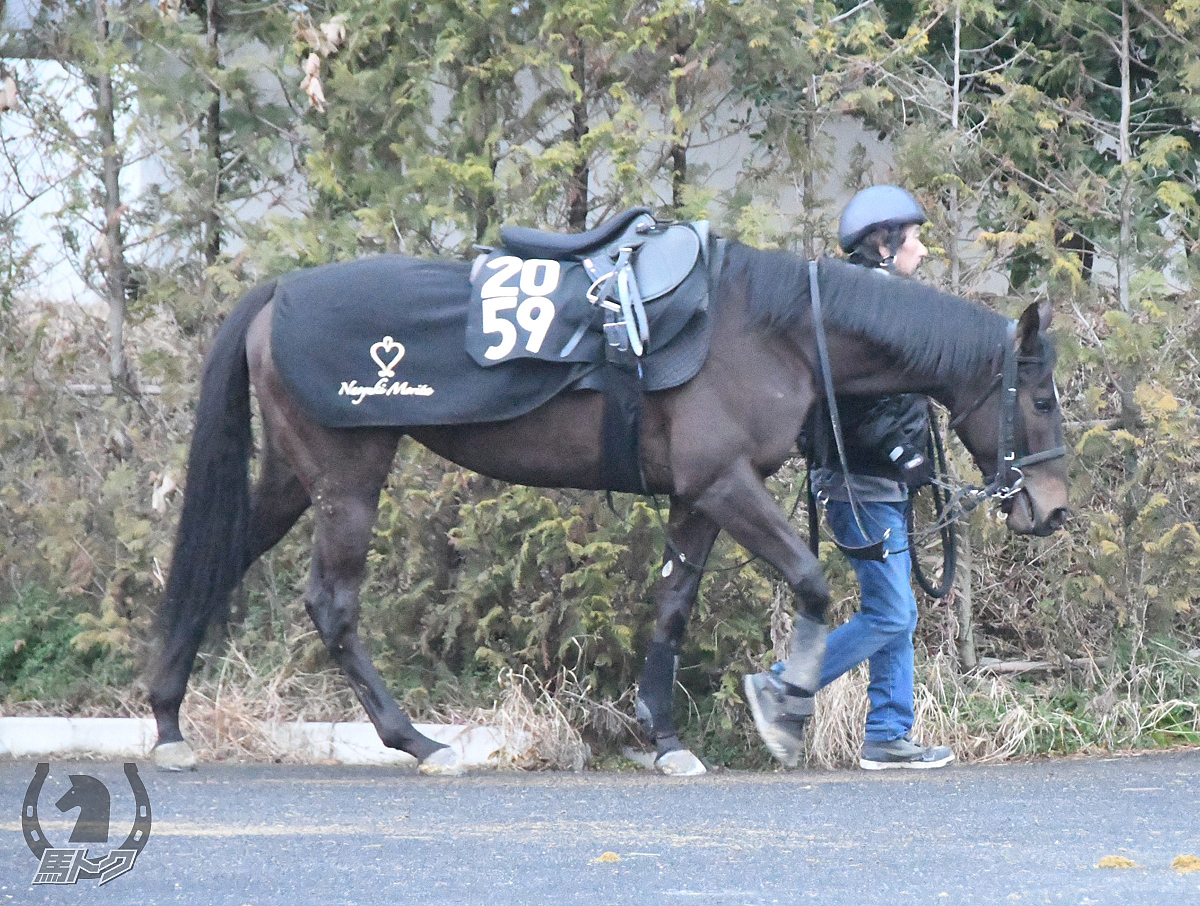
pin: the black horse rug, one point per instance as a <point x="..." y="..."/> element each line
<point x="397" y="341"/>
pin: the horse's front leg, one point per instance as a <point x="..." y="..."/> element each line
<point x="740" y="504"/>
<point x="689" y="540"/>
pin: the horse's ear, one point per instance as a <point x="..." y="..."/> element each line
<point x="1045" y="314"/>
<point x="1035" y="318"/>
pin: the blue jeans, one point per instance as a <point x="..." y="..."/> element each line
<point x="882" y="630"/>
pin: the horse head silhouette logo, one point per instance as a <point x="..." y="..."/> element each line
<point x="70" y="864"/>
<point x="91" y="797"/>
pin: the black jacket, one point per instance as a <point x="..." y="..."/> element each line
<point x="885" y="436"/>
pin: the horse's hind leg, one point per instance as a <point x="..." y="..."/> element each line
<point x="691" y="536"/>
<point x="346" y="505"/>
<point x="277" y="501"/>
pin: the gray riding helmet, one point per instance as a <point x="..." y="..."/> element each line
<point x="887" y="207"/>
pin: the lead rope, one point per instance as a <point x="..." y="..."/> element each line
<point x="874" y="550"/>
<point x="936" y="449"/>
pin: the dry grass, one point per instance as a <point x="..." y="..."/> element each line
<point x="834" y="736"/>
<point x="981" y="718"/>
<point x="231" y="709"/>
<point x="228" y="717"/>
<point x="231" y="716"/>
<point x="540" y="719"/>
<point x="987" y="718"/>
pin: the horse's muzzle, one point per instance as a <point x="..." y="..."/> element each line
<point x="1024" y="518"/>
<point x="1053" y="522"/>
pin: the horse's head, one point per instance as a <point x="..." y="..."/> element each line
<point x="91" y="797"/>
<point x="85" y="792"/>
<point x="1012" y="425"/>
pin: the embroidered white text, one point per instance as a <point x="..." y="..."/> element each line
<point x="383" y="388"/>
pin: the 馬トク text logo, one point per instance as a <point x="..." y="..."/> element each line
<point x="70" y="864"/>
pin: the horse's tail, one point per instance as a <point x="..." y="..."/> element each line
<point x="210" y="546"/>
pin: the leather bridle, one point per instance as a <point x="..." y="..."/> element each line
<point x="1010" y="476"/>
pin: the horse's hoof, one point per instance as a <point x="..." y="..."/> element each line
<point x="174" y="756"/>
<point x="679" y="763"/>
<point x="445" y="762"/>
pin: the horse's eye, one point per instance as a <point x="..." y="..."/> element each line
<point x="1045" y="404"/>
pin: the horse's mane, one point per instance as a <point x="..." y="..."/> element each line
<point x="930" y="331"/>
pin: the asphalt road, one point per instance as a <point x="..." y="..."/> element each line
<point x="293" y="835"/>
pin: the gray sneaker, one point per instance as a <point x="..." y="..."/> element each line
<point x="778" y="716"/>
<point x="903" y="753"/>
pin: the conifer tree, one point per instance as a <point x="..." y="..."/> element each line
<point x="216" y="89"/>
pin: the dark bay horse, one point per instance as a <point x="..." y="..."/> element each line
<point x="708" y="444"/>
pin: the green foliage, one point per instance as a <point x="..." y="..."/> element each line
<point x="217" y="109"/>
<point x="44" y="656"/>
<point x="481" y="114"/>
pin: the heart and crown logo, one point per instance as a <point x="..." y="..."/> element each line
<point x="381" y="351"/>
<point x="387" y="354"/>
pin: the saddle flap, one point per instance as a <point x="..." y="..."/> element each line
<point x="638" y="289"/>
<point x="665" y="259"/>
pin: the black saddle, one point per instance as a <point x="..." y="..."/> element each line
<point x="526" y="242"/>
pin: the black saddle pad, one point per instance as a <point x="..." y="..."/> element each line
<point x="382" y="342"/>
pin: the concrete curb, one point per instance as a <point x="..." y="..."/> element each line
<point x="344" y="743"/>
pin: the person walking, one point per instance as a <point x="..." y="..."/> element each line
<point x="885" y="442"/>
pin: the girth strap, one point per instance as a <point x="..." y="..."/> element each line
<point x="622" y="427"/>
<point x="622" y="385"/>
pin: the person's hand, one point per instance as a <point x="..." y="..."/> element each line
<point x="915" y="467"/>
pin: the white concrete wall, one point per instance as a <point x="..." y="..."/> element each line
<point x="35" y="185"/>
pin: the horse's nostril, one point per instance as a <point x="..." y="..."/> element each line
<point x="1058" y="518"/>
